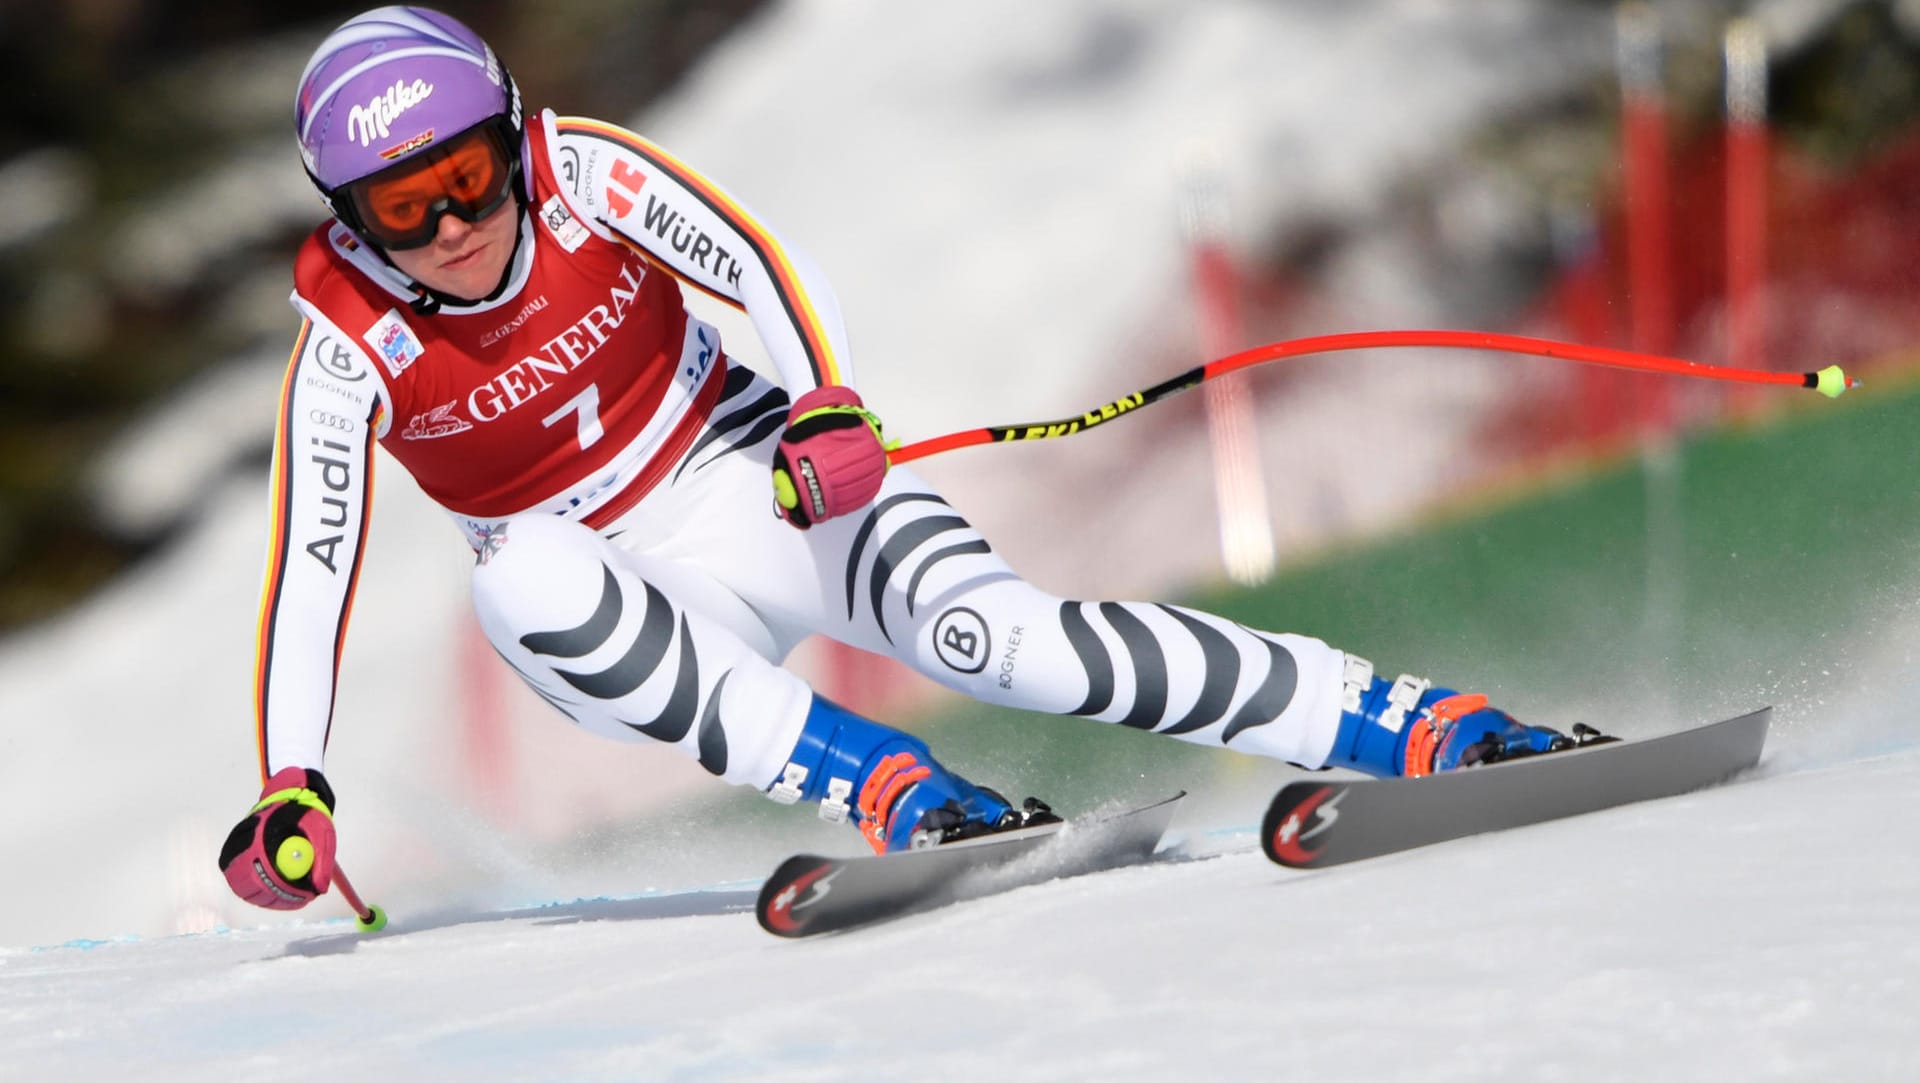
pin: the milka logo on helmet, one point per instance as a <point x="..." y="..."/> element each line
<point x="374" y="120"/>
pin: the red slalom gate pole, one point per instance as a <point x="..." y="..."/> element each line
<point x="1239" y="491"/>
<point x="1830" y="381"/>
<point x="369" y="918"/>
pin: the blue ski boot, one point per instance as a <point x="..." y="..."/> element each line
<point x="889" y="784"/>
<point x="1408" y="727"/>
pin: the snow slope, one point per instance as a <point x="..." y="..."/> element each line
<point x="1761" y="930"/>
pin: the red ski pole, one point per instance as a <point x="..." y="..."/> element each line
<point x="1829" y="381"/>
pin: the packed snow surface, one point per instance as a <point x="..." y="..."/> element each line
<point x="1764" y="929"/>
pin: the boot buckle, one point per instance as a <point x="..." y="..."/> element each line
<point x="1402" y="699"/>
<point x="833" y="807"/>
<point x="791" y="786"/>
<point x="1356" y="680"/>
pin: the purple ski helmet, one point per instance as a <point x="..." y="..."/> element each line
<point x="393" y="84"/>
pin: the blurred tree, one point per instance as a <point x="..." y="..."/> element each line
<point x="1854" y="89"/>
<point x="115" y="107"/>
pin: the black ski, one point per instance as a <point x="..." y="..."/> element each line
<point x="810" y="894"/>
<point x="1311" y="824"/>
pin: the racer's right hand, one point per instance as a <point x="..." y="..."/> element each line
<point x="281" y="855"/>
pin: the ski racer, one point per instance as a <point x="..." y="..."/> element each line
<point x="498" y="300"/>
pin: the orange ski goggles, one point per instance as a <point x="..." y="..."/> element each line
<point x="470" y="176"/>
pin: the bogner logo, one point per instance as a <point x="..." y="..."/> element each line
<point x="960" y="639"/>
<point x="337" y="359"/>
<point x="374" y="120"/>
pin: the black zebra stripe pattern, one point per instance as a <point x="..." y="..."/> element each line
<point x="641" y="660"/>
<point x="760" y="418"/>
<point x="1147" y="660"/>
<point x="898" y="547"/>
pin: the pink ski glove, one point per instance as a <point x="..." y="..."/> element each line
<point x="830" y="460"/>
<point x="281" y="855"/>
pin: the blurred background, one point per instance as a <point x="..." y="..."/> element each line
<point x="1027" y="210"/>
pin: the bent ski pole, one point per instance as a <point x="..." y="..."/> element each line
<point x="368" y="918"/>
<point x="1829" y="381"/>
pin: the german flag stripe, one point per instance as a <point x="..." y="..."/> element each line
<point x="279" y="537"/>
<point x="276" y="548"/>
<point x="353" y="574"/>
<point x="766" y="249"/>
<point x="653" y="261"/>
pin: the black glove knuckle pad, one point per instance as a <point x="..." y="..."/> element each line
<point x="826" y="421"/>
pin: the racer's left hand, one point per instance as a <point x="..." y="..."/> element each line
<point x="831" y="459"/>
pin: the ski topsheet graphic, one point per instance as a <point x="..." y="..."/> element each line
<point x="1313" y="823"/>
<point x="810" y="894"/>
